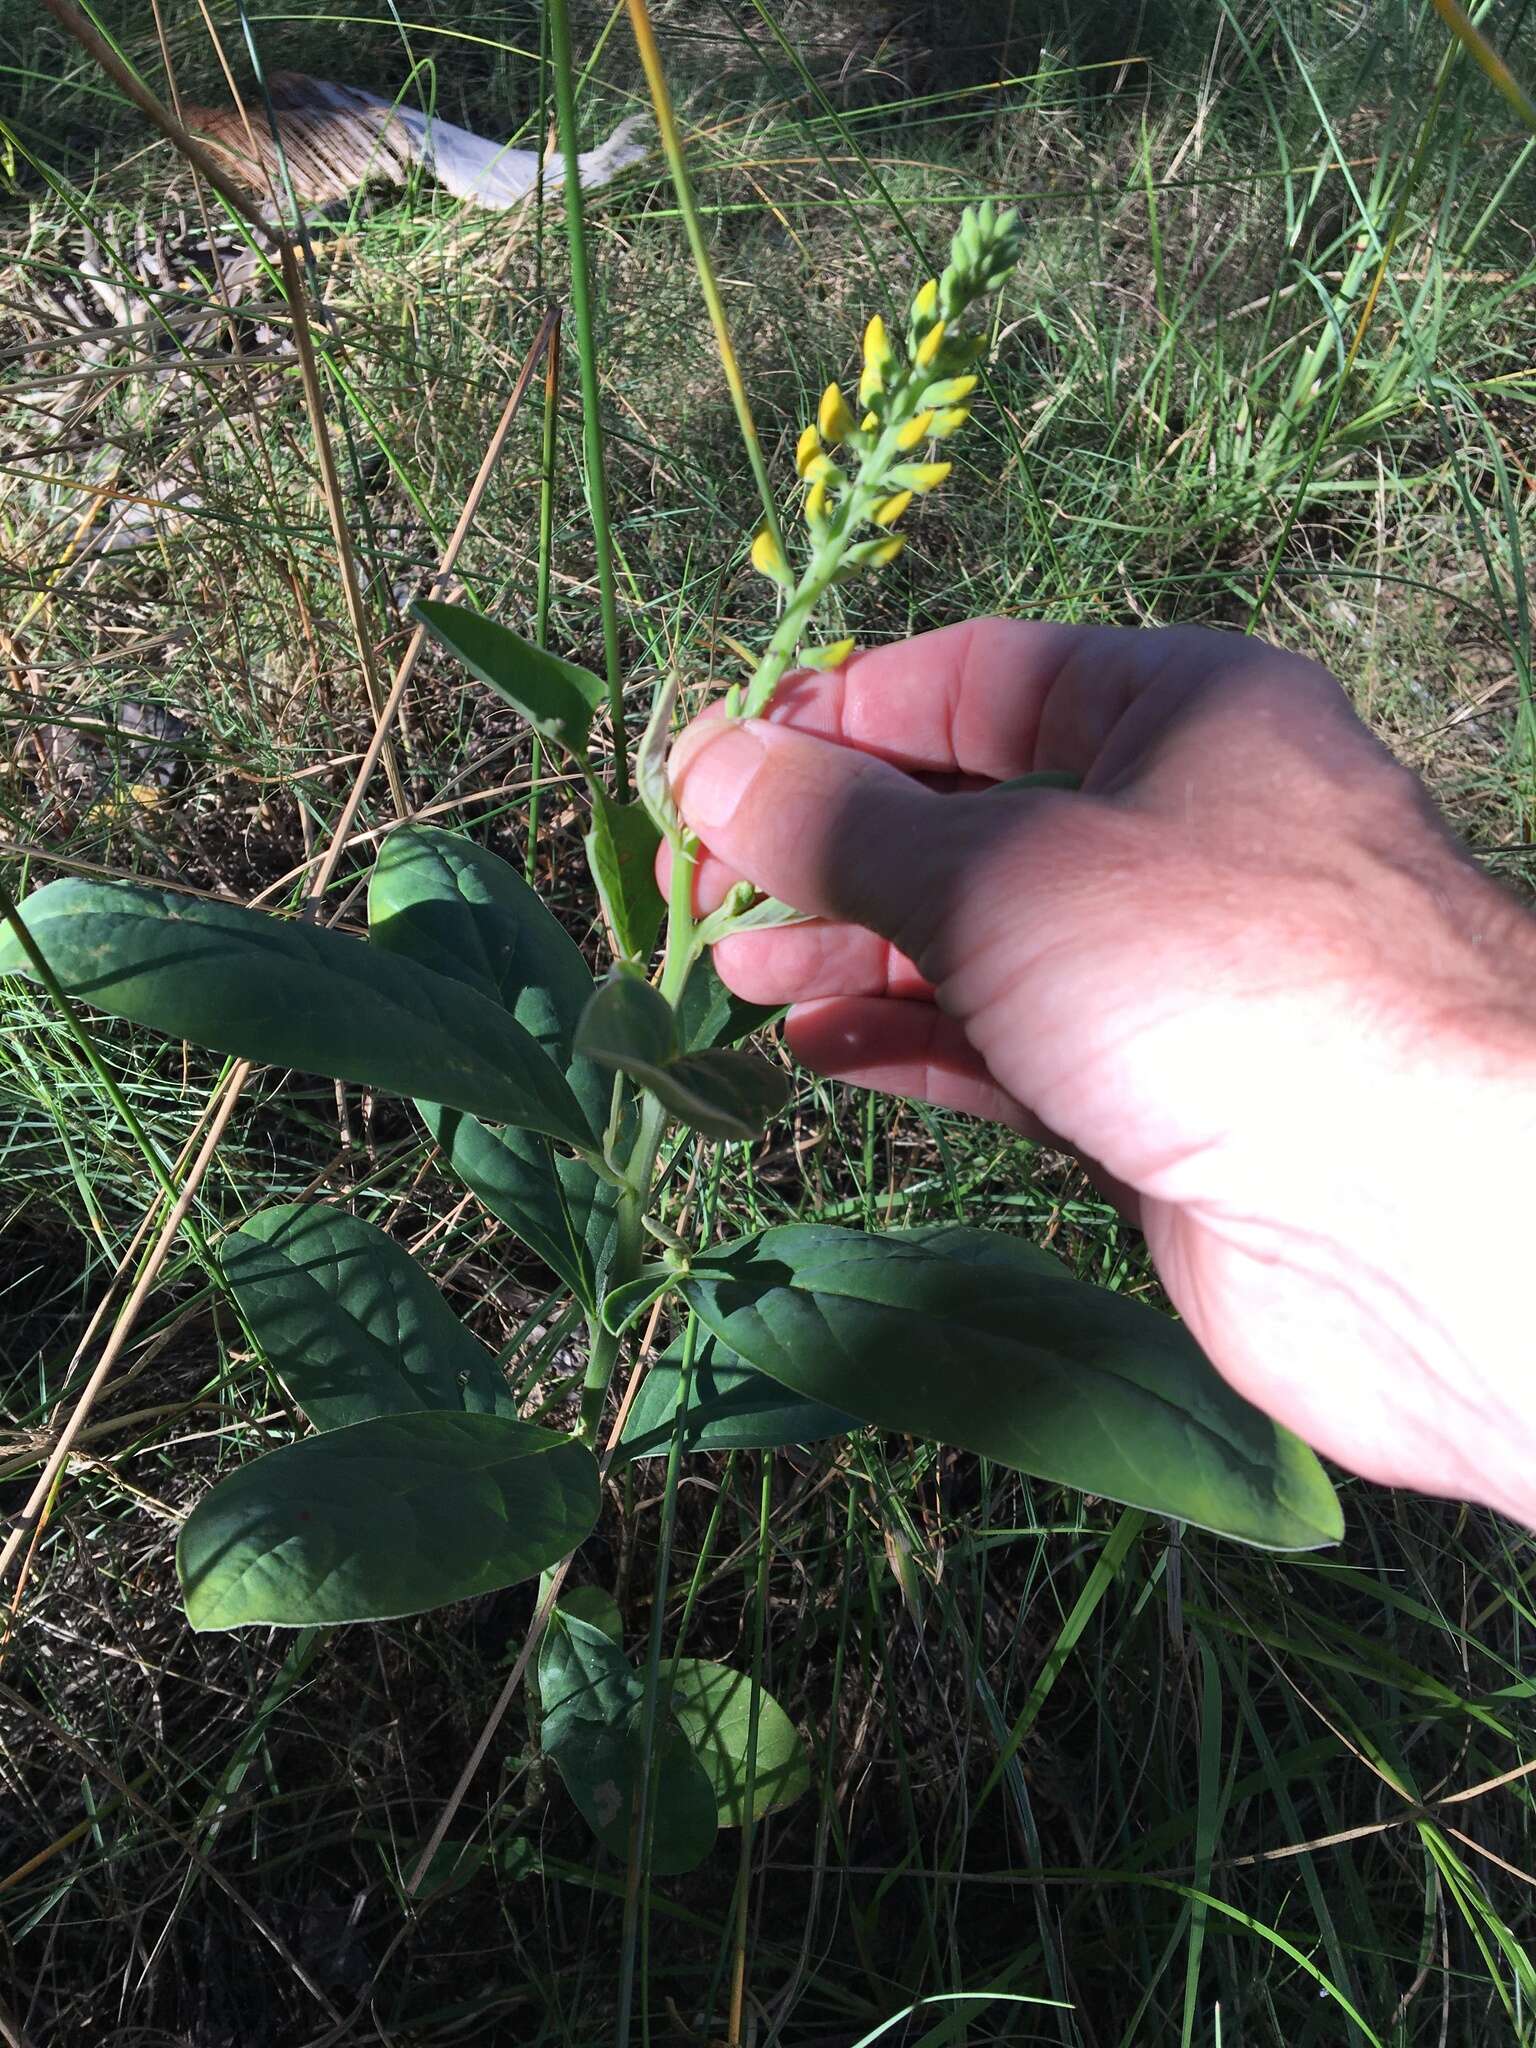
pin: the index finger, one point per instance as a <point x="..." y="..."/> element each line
<point x="989" y="698"/>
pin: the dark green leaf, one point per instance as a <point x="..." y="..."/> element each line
<point x="451" y="906"/>
<point x="385" y="1518"/>
<point x="731" y="1407"/>
<point x="556" y="697"/>
<point x="621" y="852"/>
<point x="723" y="1094"/>
<point x="557" y="1206"/>
<point x="351" y="1324"/>
<point x="713" y="1705"/>
<point x="624" y="1305"/>
<point x="597" y="1606"/>
<point x="627" y="1025"/>
<point x="709" y="1015"/>
<point x="293" y="995"/>
<point x="464" y="912"/>
<point x="593" y="1701"/>
<point x="989" y="1352"/>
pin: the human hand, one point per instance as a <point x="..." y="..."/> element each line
<point x="1245" y="971"/>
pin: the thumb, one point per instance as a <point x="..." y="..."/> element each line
<point x="829" y="830"/>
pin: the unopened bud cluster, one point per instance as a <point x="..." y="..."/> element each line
<point x="857" y="462"/>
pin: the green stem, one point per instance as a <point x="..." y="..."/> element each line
<point x="591" y="402"/>
<point x="640" y="1169"/>
<point x="546" y="556"/>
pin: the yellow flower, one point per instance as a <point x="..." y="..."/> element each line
<point x="949" y="421"/>
<point x="833" y="416"/>
<point x="869" y="422"/>
<point x="878" y="355"/>
<point x="820" y="469"/>
<point x="831" y="656"/>
<point x="887" y="551"/>
<point x="928" y="348"/>
<point x="926" y="305"/>
<point x="926" y="476"/>
<point x="914" y="431"/>
<point x="768" y="557"/>
<point x="816" y="500"/>
<point x="950" y="390"/>
<point x="889" y="510"/>
<point x="807" y="448"/>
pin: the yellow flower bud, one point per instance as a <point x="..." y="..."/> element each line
<point x="868" y="424"/>
<point x="887" y="551"/>
<point x="926" y="476"/>
<point x="928" y="348"/>
<point x="949" y="421"/>
<point x="926" y="305"/>
<point x="816" y="501"/>
<point x="768" y="557"/>
<point x="914" y="431"/>
<point x="833" y="416"/>
<point x="889" y="510"/>
<point x="831" y="656"/>
<point x="878" y="355"/>
<point x="820" y="469"/>
<point x="807" y="448"/>
<point x="950" y="390"/>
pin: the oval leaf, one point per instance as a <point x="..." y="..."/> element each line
<point x="464" y="912"/>
<point x="709" y="1015"/>
<point x="731" y="1407"/>
<point x="627" y="1025"/>
<point x="556" y="697"/>
<point x="556" y="1205"/>
<point x="713" y="1706"/>
<point x="350" y="1323"/>
<point x="293" y="995"/>
<point x="593" y="1701"/>
<point x="385" y="1518"/>
<point x="723" y="1094"/>
<point x="438" y="899"/>
<point x="621" y="852"/>
<point x="989" y="1352"/>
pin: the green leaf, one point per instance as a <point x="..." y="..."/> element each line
<point x="556" y="1205"/>
<point x="722" y="1094"/>
<point x="709" y="1015"/>
<point x="384" y="1518"/>
<point x="621" y="852"/>
<point x="731" y="1407"/>
<point x="651" y="782"/>
<point x="293" y="995"/>
<point x="629" y="1027"/>
<point x="351" y="1324"/>
<point x="556" y="697"/>
<point x="979" y="1346"/>
<point x="596" y="1605"/>
<point x="593" y="1702"/>
<point x="713" y="1705"/>
<point x="464" y="912"/>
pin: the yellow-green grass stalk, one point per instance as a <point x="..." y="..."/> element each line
<point x="677" y="164"/>
<point x="591" y="397"/>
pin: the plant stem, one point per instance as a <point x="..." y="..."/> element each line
<point x="634" y="1201"/>
<point x="591" y="401"/>
<point x="546" y="553"/>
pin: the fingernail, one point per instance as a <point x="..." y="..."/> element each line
<point x="711" y="767"/>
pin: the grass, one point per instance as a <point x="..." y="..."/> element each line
<point x="1176" y="1791"/>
